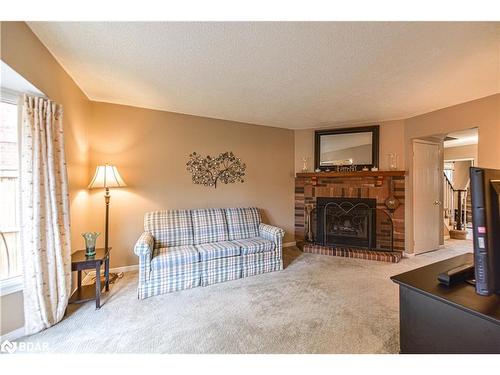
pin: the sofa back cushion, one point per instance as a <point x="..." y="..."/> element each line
<point x="242" y="222"/>
<point x="209" y="225"/>
<point x="170" y="228"/>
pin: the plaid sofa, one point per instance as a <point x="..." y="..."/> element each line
<point x="182" y="249"/>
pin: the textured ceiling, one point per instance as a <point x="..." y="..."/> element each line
<point x="291" y="75"/>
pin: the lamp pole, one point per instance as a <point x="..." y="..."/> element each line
<point x="107" y="198"/>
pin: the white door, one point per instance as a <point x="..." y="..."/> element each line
<point x="426" y="197"/>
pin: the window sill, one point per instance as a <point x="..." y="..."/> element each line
<point x="11" y="285"/>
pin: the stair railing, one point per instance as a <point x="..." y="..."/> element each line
<point x="449" y="200"/>
<point x="455" y="205"/>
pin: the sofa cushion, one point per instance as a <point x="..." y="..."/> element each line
<point x="174" y="256"/>
<point x="209" y="225"/>
<point x="215" y="250"/>
<point x="170" y="228"/>
<point x="254" y="245"/>
<point x="242" y="222"/>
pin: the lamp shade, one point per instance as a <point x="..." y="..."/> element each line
<point x="106" y="176"/>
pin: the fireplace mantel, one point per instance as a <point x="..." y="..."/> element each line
<point x="352" y="174"/>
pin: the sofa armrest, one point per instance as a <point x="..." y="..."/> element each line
<point x="144" y="245"/>
<point x="144" y="250"/>
<point x="271" y="233"/>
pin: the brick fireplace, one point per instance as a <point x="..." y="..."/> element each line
<point x="348" y="214"/>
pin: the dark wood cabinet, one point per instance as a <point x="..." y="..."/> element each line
<point x="439" y="319"/>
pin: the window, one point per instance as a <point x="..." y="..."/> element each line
<point x="10" y="250"/>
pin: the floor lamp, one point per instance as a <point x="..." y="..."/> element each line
<point x="106" y="176"/>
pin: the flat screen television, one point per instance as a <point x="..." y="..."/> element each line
<point x="485" y="199"/>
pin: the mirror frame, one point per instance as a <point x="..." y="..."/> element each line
<point x="363" y="129"/>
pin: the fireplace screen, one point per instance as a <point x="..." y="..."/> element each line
<point x="346" y="221"/>
<point x="350" y="223"/>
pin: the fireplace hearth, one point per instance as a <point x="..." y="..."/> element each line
<point x="346" y="222"/>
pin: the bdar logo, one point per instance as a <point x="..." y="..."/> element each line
<point x="8" y="347"/>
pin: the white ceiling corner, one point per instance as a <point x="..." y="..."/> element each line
<point x="284" y="74"/>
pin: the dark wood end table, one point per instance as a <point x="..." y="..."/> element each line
<point x="79" y="262"/>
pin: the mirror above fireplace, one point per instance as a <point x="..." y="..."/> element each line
<point x="347" y="149"/>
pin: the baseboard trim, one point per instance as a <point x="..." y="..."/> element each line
<point x="133" y="267"/>
<point x="290" y="244"/>
<point x="13" y="335"/>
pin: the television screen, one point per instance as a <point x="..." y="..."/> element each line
<point x="485" y="198"/>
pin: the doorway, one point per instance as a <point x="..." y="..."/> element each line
<point x="457" y="200"/>
<point x="460" y="153"/>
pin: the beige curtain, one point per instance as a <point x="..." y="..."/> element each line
<point x="44" y="218"/>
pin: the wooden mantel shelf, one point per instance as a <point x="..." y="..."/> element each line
<point x="352" y="174"/>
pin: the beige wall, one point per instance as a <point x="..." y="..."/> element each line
<point x="151" y="148"/>
<point x="23" y="52"/>
<point x="482" y="113"/>
<point x="461" y="152"/>
<point x="461" y="174"/>
<point x="391" y="141"/>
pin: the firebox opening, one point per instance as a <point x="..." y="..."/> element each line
<point x="346" y="222"/>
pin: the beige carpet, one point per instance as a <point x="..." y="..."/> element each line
<point x="318" y="304"/>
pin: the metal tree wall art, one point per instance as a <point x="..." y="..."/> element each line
<point x="207" y="171"/>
